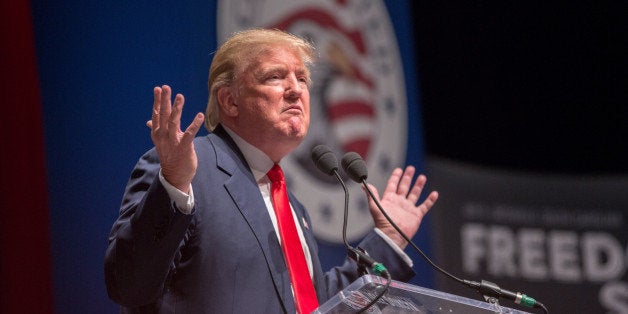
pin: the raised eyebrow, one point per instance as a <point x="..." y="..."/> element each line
<point x="262" y="72"/>
<point x="303" y="71"/>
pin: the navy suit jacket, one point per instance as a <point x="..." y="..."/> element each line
<point x="222" y="258"/>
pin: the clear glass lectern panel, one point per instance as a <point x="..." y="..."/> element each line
<point x="405" y="298"/>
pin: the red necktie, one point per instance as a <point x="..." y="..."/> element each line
<point x="304" y="294"/>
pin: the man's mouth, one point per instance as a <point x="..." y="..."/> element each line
<point x="293" y="109"/>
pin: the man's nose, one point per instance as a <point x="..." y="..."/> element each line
<point x="293" y="85"/>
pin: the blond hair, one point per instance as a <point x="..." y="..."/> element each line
<point x="234" y="56"/>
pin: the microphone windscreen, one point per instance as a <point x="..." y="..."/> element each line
<point x="355" y="166"/>
<point x="324" y="159"/>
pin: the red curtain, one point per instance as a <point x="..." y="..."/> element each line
<point x="25" y="259"/>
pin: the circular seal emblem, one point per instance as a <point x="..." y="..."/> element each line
<point x="358" y="100"/>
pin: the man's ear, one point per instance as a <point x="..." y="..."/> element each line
<point x="226" y="101"/>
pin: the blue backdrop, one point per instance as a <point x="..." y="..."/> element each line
<point x="98" y="62"/>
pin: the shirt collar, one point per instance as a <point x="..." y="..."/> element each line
<point x="259" y="162"/>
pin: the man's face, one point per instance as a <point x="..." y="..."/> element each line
<point x="273" y="102"/>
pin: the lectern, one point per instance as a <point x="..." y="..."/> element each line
<point x="404" y="298"/>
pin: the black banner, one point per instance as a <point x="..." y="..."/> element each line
<point x="559" y="239"/>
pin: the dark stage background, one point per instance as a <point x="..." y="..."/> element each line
<point x="525" y="85"/>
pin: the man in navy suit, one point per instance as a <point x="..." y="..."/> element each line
<point x="197" y="231"/>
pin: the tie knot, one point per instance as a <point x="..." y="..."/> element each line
<point x="275" y="174"/>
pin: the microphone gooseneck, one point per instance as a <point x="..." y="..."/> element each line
<point x="355" y="167"/>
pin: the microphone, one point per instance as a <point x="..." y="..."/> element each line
<point x="355" y="167"/>
<point x="326" y="162"/>
<point x="324" y="159"/>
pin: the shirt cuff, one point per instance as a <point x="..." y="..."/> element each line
<point x="183" y="201"/>
<point x="395" y="247"/>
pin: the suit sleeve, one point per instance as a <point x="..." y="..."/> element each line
<point x="145" y="238"/>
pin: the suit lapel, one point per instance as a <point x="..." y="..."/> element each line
<point x="304" y="223"/>
<point x="245" y="193"/>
